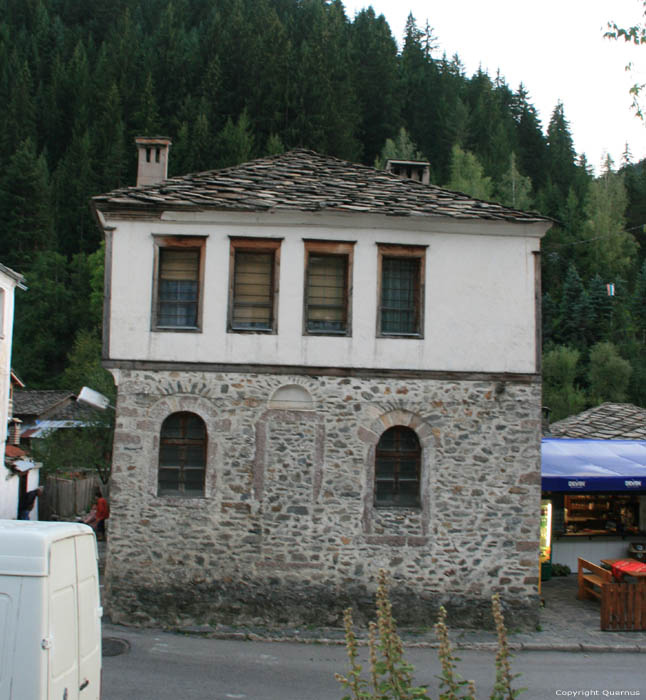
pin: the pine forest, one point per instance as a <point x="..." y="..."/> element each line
<point x="231" y="80"/>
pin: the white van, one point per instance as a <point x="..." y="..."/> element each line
<point x="50" y="612"/>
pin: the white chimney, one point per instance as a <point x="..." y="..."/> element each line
<point x="153" y="159"/>
<point x="419" y="170"/>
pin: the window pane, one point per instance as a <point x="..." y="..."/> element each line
<point x="168" y="480"/>
<point x="172" y="427"/>
<point x="193" y="479"/>
<point x="397" y="468"/>
<point x="408" y="469"/>
<point x="326" y="293"/>
<point x="178" y="288"/>
<point x="253" y="290"/>
<point x="384" y="492"/>
<point x="408" y="494"/>
<point x="385" y="467"/>
<point x="193" y="426"/>
<point x="182" y="455"/>
<point x="169" y="455"/>
<point x="400" y="295"/>
<point x="194" y="455"/>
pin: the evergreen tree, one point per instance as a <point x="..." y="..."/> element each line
<point x="514" y="190"/>
<point x="639" y="303"/>
<point x="611" y="251"/>
<point x="25" y="207"/>
<point x="235" y="142"/>
<point x="42" y="323"/>
<point x="375" y="70"/>
<point x="19" y="116"/>
<point x="562" y="171"/>
<point x="75" y="181"/>
<point x="146" y="118"/>
<point x="608" y="374"/>
<point x="532" y="147"/>
<point x="561" y="392"/>
<point x="601" y="308"/>
<point x="467" y="175"/>
<point x="574" y="310"/>
<point x="399" y="148"/>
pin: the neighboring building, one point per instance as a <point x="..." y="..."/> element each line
<point x="9" y="482"/>
<point x="42" y="410"/>
<point x="594" y="475"/>
<point x="322" y="369"/>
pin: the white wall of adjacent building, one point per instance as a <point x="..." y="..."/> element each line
<point x="479" y="297"/>
<point x="8" y="482"/>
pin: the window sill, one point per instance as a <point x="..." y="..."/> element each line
<point x="332" y="334"/>
<point x="176" y="329"/>
<point x="261" y="331"/>
<point x="397" y="506"/>
<point x="414" y="336"/>
<point x="177" y="500"/>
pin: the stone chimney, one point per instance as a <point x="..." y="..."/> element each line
<point x="153" y="159"/>
<point x="419" y="170"/>
<point x="14" y="432"/>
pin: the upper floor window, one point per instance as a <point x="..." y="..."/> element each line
<point x="401" y="290"/>
<point x="177" y="297"/>
<point x="328" y="268"/>
<point x="182" y="455"/>
<point x="397" y="468"/>
<point x="253" y="292"/>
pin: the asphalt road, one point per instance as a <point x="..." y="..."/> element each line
<point x="161" y="666"/>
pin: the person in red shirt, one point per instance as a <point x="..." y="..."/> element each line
<point x="98" y="514"/>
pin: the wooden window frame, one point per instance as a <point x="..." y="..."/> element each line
<point x="197" y="243"/>
<point x="416" y="252"/>
<point x="255" y="245"/>
<point x="395" y="478"/>
<point x="182" y="441"/>
<point x="337" y="249"/>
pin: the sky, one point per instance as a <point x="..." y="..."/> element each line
<point x="555" y="48"/>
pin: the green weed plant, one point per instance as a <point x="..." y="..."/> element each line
<point x="391" y="677"/>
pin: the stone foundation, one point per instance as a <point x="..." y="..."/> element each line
<point x="287" y="532"/>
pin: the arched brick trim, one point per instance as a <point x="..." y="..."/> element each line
<point x="292" y="397"/>
<point x="370" y="434"/>
<point x="201" y="407"/>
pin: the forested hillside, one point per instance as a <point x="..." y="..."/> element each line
<point x="230" y="80"/>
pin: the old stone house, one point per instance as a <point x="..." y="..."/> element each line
<point x="322" y="369"/>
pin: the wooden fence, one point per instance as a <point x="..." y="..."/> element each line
<point x="623" y="606"/>
<point x="65" y="498"/>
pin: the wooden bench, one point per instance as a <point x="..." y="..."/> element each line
<point x="591" y="579"/>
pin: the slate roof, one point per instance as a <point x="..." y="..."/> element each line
<point x="302" y="180"/>
<point x="609" y="421"/>
<point x="35" y="402"/>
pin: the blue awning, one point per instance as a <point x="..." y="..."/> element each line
<point x="593" y="465"/>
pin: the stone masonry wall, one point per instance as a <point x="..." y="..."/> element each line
<point x="287" y="532"/>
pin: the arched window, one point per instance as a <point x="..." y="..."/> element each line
<point x="397" y="468"/>
<point x="182" y="455"/>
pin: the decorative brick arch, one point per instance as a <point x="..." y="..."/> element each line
<point x="207" y="411"/>
<point x="370" y="435"/>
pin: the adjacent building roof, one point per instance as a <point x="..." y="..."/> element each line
<point x="15" y="276"/>
<point x="302" y="180"/>
<point x="39" y="403"/>
<point x="609" y="421"/>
